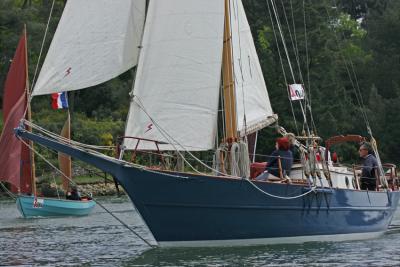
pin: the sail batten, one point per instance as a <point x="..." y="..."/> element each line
<point x="177" y="83"/>
<point x="95" y="41"/>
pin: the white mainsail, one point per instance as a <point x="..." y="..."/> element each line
<point x="251" y="92"/>
<point x="95" y="41"/>
<point x="178" y="78"/>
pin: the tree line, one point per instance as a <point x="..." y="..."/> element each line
<point x="346" y="53"/>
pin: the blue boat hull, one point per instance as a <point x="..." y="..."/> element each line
<point x="51" y="207"/>
<point x="188" y="209"/>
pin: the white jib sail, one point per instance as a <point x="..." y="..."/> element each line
<point x="251" y="92"/>
<point x="95" y="41"/>
<point x="178" y="78"/>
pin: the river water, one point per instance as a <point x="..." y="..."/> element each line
<point x="100" y="240"/>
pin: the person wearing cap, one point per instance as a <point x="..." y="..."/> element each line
<point x="369" y="168"/>
<point x="280" y="162"/>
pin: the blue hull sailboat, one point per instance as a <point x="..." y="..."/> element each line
<point x="30" y="206"/>
<point x="185" y="209"/>
<point x="189" y="55"/>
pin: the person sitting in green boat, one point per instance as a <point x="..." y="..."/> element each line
<point x="74" y="194"/>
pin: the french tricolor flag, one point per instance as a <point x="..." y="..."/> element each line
<point x="59" y="100"/>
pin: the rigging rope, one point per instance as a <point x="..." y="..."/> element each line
<point x="125" y="225"/>
<point x="274" y="8"/>
<point x="307" y="97"/>
<point x="307" y="101"/>
<point x="83" y="147"/>
<point x="307" y="55"/>
<point x="218" y="163"/>
<point x="41" y="50"/>
<point x="283" y="68"/>
<point x="11" y="194"/>
<point x="358" y="94"/>
<point x="73" y="182"/>
<point x="352" y="76"/>
<point x="63" y="139"/>
<point x="312" y="189"/>
<point x="295" y="51"/>
<point x="155" y="171"/>
<point x="172" y="142"/>
<point x="240" y="161"/>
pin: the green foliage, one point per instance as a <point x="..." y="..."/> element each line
<point x="13" y="16"/>
<point x="80" y="179"/>
<point x="100" y="132"/>
<point x="344" y="56"/>
<point x="83" y="129"/>
<point x="348" y="27"/>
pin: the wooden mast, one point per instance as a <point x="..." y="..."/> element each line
<point x="228" y="80"/>
<point x="65" y="160"/>
<point x="29" y="117"/>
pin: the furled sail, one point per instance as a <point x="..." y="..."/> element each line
<point x="95" y="41"/>
<point x="15" y="165"/>
<point x="178" y="78"/>
<point x="252" y="98"/>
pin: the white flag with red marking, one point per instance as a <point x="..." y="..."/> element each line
<point x="296" y="91"/>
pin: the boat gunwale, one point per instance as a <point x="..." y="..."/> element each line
<point x="185" y="174"/>
<point x="51" y="198"/>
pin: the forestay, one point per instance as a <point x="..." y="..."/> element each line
<point x="178" y="77"/>
<point x="251" y="92"/>
<point x="95" y="41"/>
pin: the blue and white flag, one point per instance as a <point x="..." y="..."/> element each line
<point x="60" y="100"/>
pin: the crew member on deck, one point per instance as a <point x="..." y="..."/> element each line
<point x="369" y="169"/>
<point x="280" y="162"/>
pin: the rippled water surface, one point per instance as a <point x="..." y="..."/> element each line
<point x="100" y="240"/>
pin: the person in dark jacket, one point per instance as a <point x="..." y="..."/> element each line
<point x="369" y="168"/>
<point x="74" y="194"/>
<point x="280" y="161"/>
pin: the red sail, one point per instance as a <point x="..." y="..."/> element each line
<point x="13" y="153"/>
<point x="10" y="147"/>
<point x="15" y="84"/>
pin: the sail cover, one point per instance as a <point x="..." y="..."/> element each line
<point x="178" y="78"/>
<point x="95" y="41"/>
<point x="252" y="101"/>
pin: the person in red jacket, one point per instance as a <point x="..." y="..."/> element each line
<point x="280" y="161"/>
